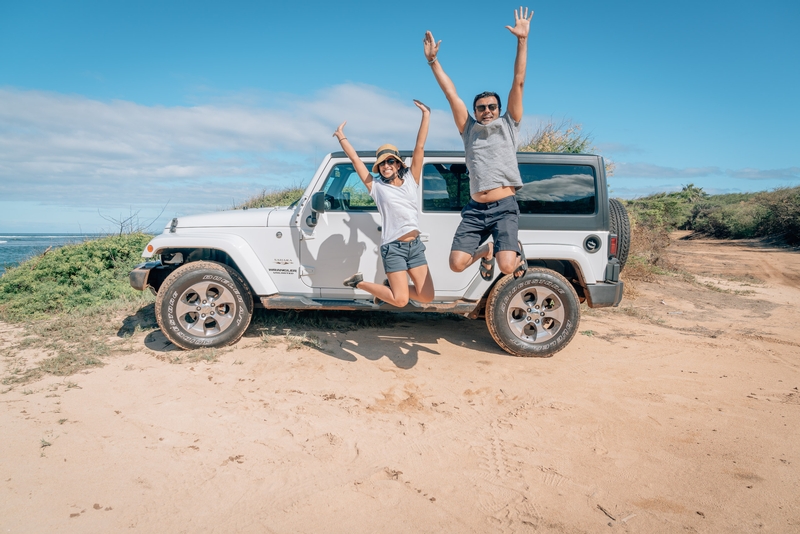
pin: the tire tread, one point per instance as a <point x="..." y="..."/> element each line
<point x="621" y="226"/>
<point x="493" y="299"/>
<point x="183" y="270"/>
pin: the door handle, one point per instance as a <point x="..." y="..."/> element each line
<point x="424" y="237"/>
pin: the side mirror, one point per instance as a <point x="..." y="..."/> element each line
<point x="318" y="202"/>
<point x="317" y="206"/>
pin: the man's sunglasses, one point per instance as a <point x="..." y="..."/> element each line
<point x="388" y="161"/>
<point x="481" y="108"/>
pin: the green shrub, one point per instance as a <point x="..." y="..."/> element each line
<point x="668" y="211"/>
<point x="564" y="137"/>
<point x="72" y="277"/>
<point x="783" y="214"/>
<point x="267" y="199"/>
<point x="732" y="221"/>
<point x="770" y="214"/>
<point x="661" y="210"/>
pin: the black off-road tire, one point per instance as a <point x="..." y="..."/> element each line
<point x="204" y="304"/>
<point x="514" y="307"/>
<point x="620" y="225"/>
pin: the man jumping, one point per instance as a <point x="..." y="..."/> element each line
<point x="490" y="144"/>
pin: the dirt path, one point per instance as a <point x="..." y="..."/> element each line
<point x="677" y="412"/>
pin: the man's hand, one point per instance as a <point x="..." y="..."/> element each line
<point x="425" y="109"/>
<point x="522" y="23"/>
<point x="339" y="133"/>
<point x="460" y="113"/>
<point x="431" y="46"/>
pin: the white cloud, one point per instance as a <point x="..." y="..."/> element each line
<point x="70" y="150"/>
<point x="791" y="173"/>
<point x="68" y="156"/>
<point x="618" y="148"/>
<point x="646" y="170"/>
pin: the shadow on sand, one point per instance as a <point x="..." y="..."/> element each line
<point x="400" y="337"/>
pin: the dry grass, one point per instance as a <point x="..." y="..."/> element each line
<point x="648" y="257"/>
<point x="302" y="341"/>
<point x="648" y="253"/>
<point x="67" y="344"/>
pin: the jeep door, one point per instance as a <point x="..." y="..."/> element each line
<point x="346" y="238"/>
<point x="445" y="190"/>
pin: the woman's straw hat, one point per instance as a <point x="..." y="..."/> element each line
<point x="386" y="152"/>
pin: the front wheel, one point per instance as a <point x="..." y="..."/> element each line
<point x="204" y="304"/>
<point x="535" y="315"/>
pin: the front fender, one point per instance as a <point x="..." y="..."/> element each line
<point x="234" y="246"/>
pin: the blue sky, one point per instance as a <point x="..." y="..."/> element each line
<point x="112" y="109"/>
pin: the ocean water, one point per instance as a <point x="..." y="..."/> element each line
<point x="16" y="248"/>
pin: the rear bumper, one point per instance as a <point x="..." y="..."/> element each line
<point x="604" y="294"/>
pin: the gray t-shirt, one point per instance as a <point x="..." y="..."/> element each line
<point x="491" y="153"/>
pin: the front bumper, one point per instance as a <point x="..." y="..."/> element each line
<point x="149" y="275"/>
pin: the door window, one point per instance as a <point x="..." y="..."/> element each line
<point x="344" y="190"/>
<point x="445" y="186"/>
<point x="557" y="189"/>
<point x="546" y="189"/>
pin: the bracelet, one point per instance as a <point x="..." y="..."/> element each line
<point x="432" y="61"/>
<point x="342" y="139"/>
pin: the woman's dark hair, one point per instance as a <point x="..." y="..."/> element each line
<point x="484" y="95"/>
<point x="401" y="173"/>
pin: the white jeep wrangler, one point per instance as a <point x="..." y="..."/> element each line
<point x="215" y="268"/>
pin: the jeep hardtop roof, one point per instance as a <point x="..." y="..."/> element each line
<point x="452" y="154"/>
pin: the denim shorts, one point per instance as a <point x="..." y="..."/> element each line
<point x="479" y="220"/>
<point x="403" y="255"/>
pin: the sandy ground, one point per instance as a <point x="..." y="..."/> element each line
<point x="678" y="412"/>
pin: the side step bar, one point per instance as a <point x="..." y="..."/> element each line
<point x="286" y="302"/>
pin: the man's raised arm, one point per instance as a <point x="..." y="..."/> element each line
<point x="460" y="112"/>
<point x="522" y="25"/>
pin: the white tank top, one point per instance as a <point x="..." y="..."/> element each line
<point x="398" y="207"/>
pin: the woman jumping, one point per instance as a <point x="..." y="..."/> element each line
<point x="395" y="194"/>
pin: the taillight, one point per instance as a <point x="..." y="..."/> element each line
<point x="612" y="245"/>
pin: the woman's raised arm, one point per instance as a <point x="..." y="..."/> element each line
<point x="418" y="157"/>
<point x="361" y="169"/>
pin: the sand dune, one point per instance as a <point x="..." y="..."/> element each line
<point x="677" y="412"/>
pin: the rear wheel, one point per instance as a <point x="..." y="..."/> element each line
<point x="535" y="315"/>
<point x="204" y="304"/>
<point x="620" y="225"/>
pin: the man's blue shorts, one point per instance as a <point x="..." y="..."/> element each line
<point x="479" y="220"/>
<point x="403" y="255"/>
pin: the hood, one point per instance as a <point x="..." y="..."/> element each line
<point x="224" y="219"/>
<point x="281" y="216"/>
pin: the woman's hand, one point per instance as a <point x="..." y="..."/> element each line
<point x="431" y="47"/>
<point x="339" y="133"/>
<point x="425" y="109"/>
